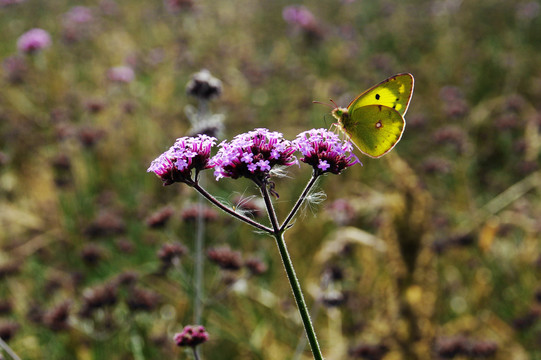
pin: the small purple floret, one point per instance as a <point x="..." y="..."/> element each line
<point x="253" y="155"/>
<point x="325" y="151"/>
<point x="323" y="165"/>
<point x="187" y="154"/>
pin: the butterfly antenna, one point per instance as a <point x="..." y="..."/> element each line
<point x="319" y="102"/>
<point x="333" y="103"/>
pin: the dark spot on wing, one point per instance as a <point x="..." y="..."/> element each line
<point x="377" y="96"/>
<point x="379" y="125"/>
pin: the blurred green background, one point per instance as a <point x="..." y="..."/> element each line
<point x="430" y="252"/>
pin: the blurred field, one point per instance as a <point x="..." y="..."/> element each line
<point x="431" y="252"/>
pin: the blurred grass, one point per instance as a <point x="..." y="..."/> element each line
<point x="451" y="266"/>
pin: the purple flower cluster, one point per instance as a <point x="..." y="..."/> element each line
<point x="33" y="41"/>
<point x="253" y="155"/>
<point x="191" y="335"/>
<point x="325" y="151"/>
<point x="187" y="154"/>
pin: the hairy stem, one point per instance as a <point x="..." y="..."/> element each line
<point x="292" y="276"/>
<point x="299" y="202"/>
<point x="270" y="209"/>
<point x="299" y="298"/>
<point x="231" y="212"/>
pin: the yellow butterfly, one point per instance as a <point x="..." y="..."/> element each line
<point x="374" y="120"/>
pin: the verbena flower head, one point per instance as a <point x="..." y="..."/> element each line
<point x="191" y="335"/>
<point x="325" y="151"/>
<point x="33" y="41"/>
<point x="253" y="155"/>
<point x="187" y="154"/>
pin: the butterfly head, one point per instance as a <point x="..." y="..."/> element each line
<point x="340" y="114"/>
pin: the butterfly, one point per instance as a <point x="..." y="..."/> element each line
<point x="374" y="120"/>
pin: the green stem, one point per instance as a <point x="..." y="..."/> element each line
<point x="299" y="298"/>
<point x="195" y="354"/>
<point x="291" y="275"/>
<point x="230" y="211"/>
<point x="270" y="209"/>
<point x="301" y="344"/>
<point x="136" y="346"/>
<point x="299" y="202"/>
<point x="199" y="259"/>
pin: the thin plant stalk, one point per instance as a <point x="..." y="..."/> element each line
<point x="299" y="298"/>
<point x="292" y="276"/>
<point x="8" y="349"/>
<point x="231" y="212"/>
<point x="301" y="344"/>
<point x="195" y="354"/>
<point x="270" y="209"/>
<point x="199" y="241"/>
<point x="199" y="263"/>
<point x="299" y="202"/>
<point x="277" y="231"/>
<point x="137" y="346"/>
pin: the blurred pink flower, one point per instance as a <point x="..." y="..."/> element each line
<point x="14" y="68"/>
<point x="301" y="19"/>
<point x="528" y="11"/>
<point x="79" y="15"/>
<point x="121" y="74"/>
<point x="33" y="41"/>
<point x="298" y="15"/>
<point x="175" y="6"/>
<point x="10" y="2"/>
<point x="78" y="23"/>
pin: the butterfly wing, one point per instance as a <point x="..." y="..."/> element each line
<point x="374" y="129"/>
<point x="395" y="92"/>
